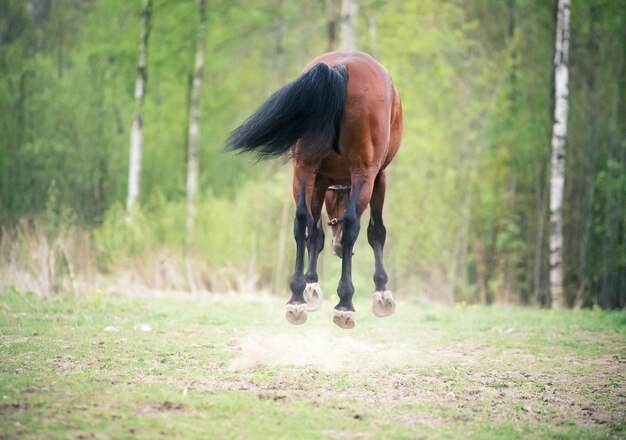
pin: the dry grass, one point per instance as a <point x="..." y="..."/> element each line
<point x="34" y="260"/>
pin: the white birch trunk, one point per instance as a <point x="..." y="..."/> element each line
<point x="194" y="122"/>
<point x="557" y="171"/>
<point x="136" y="131"/>
<point x="347" y="30"/>
<point x="194" y="137"/>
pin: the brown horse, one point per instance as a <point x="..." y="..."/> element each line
<point x="342" y="122"/>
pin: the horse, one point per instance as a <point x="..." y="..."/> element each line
<point x="341" y="123"/>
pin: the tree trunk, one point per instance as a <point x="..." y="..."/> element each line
<point x="611" y="291"/>
<point x="586" y="171"/>
<point x="347" y="34"/>
<point x="559" y="132"/>
<point x="281" y="27"/>
<point x="331" y="24"/>
<point x="279" y="273"/>
<point x="513" y="74"/>
<point x="193" y="138"/>
<point x="136" y="131"/>
<point x="279" y="276"/>
<point x="372" y="29"/>
<point x="481" y="269"/>
<point x="620" y="136"/>
<point x="542" y="202"/>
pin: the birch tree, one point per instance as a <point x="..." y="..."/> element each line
<point x="194" y="131"/>
<point x="559" y="132"/>
<point x="194" y="119"/>
<point x="347" y="28"/>
<point x="330" y="12"/>
<point x="281" y="25"/>
<point x="136" y="131"/>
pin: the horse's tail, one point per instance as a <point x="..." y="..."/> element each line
<point x="308" y="109"/>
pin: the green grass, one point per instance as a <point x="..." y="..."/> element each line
<point x="236" y="369"/>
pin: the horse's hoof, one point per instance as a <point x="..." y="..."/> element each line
<point x="383" y="303"/>
<point x="296" y="313"/>
<point x="343" y="318"/>
<point x="313" y="297"/>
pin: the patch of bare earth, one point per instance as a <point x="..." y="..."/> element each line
<point x="447" y="384"/>
<point x="161" y="407"/>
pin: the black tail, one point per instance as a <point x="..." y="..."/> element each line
<point x="309" y="108"/>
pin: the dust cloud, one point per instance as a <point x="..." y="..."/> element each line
<point x="322" y="350"/>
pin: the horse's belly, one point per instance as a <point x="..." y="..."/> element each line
<point x="335" y="168"/>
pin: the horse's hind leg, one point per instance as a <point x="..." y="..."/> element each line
<point x="382" y="299"/>
<point x="344" y="312"/>
<point x="315" y="245"/>
<point x="296" y="306"/>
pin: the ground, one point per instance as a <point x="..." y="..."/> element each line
<point x="107" y="366"/>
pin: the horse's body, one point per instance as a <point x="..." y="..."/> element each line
<point x="342" y="121"/>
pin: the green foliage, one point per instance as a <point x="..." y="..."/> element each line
<point x="119" y="238"/>
<point x="467" y="194"/>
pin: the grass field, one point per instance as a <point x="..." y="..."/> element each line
<point x="118" y="367"/>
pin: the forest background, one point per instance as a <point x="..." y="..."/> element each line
<point x="467" y="203"/>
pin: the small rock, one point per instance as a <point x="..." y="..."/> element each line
<point x="357" y="415"/>
<point x="111" y="329"/>
<point x="143" y="327"/>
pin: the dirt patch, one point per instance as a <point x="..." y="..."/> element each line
<point x="161" y="407"/>
<point x="493" y="395"/>
<point x="454" y="383"/>
<point x="17" y="406"/>
<point x="337" y="434"/>
<point x="325" y="351"/>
